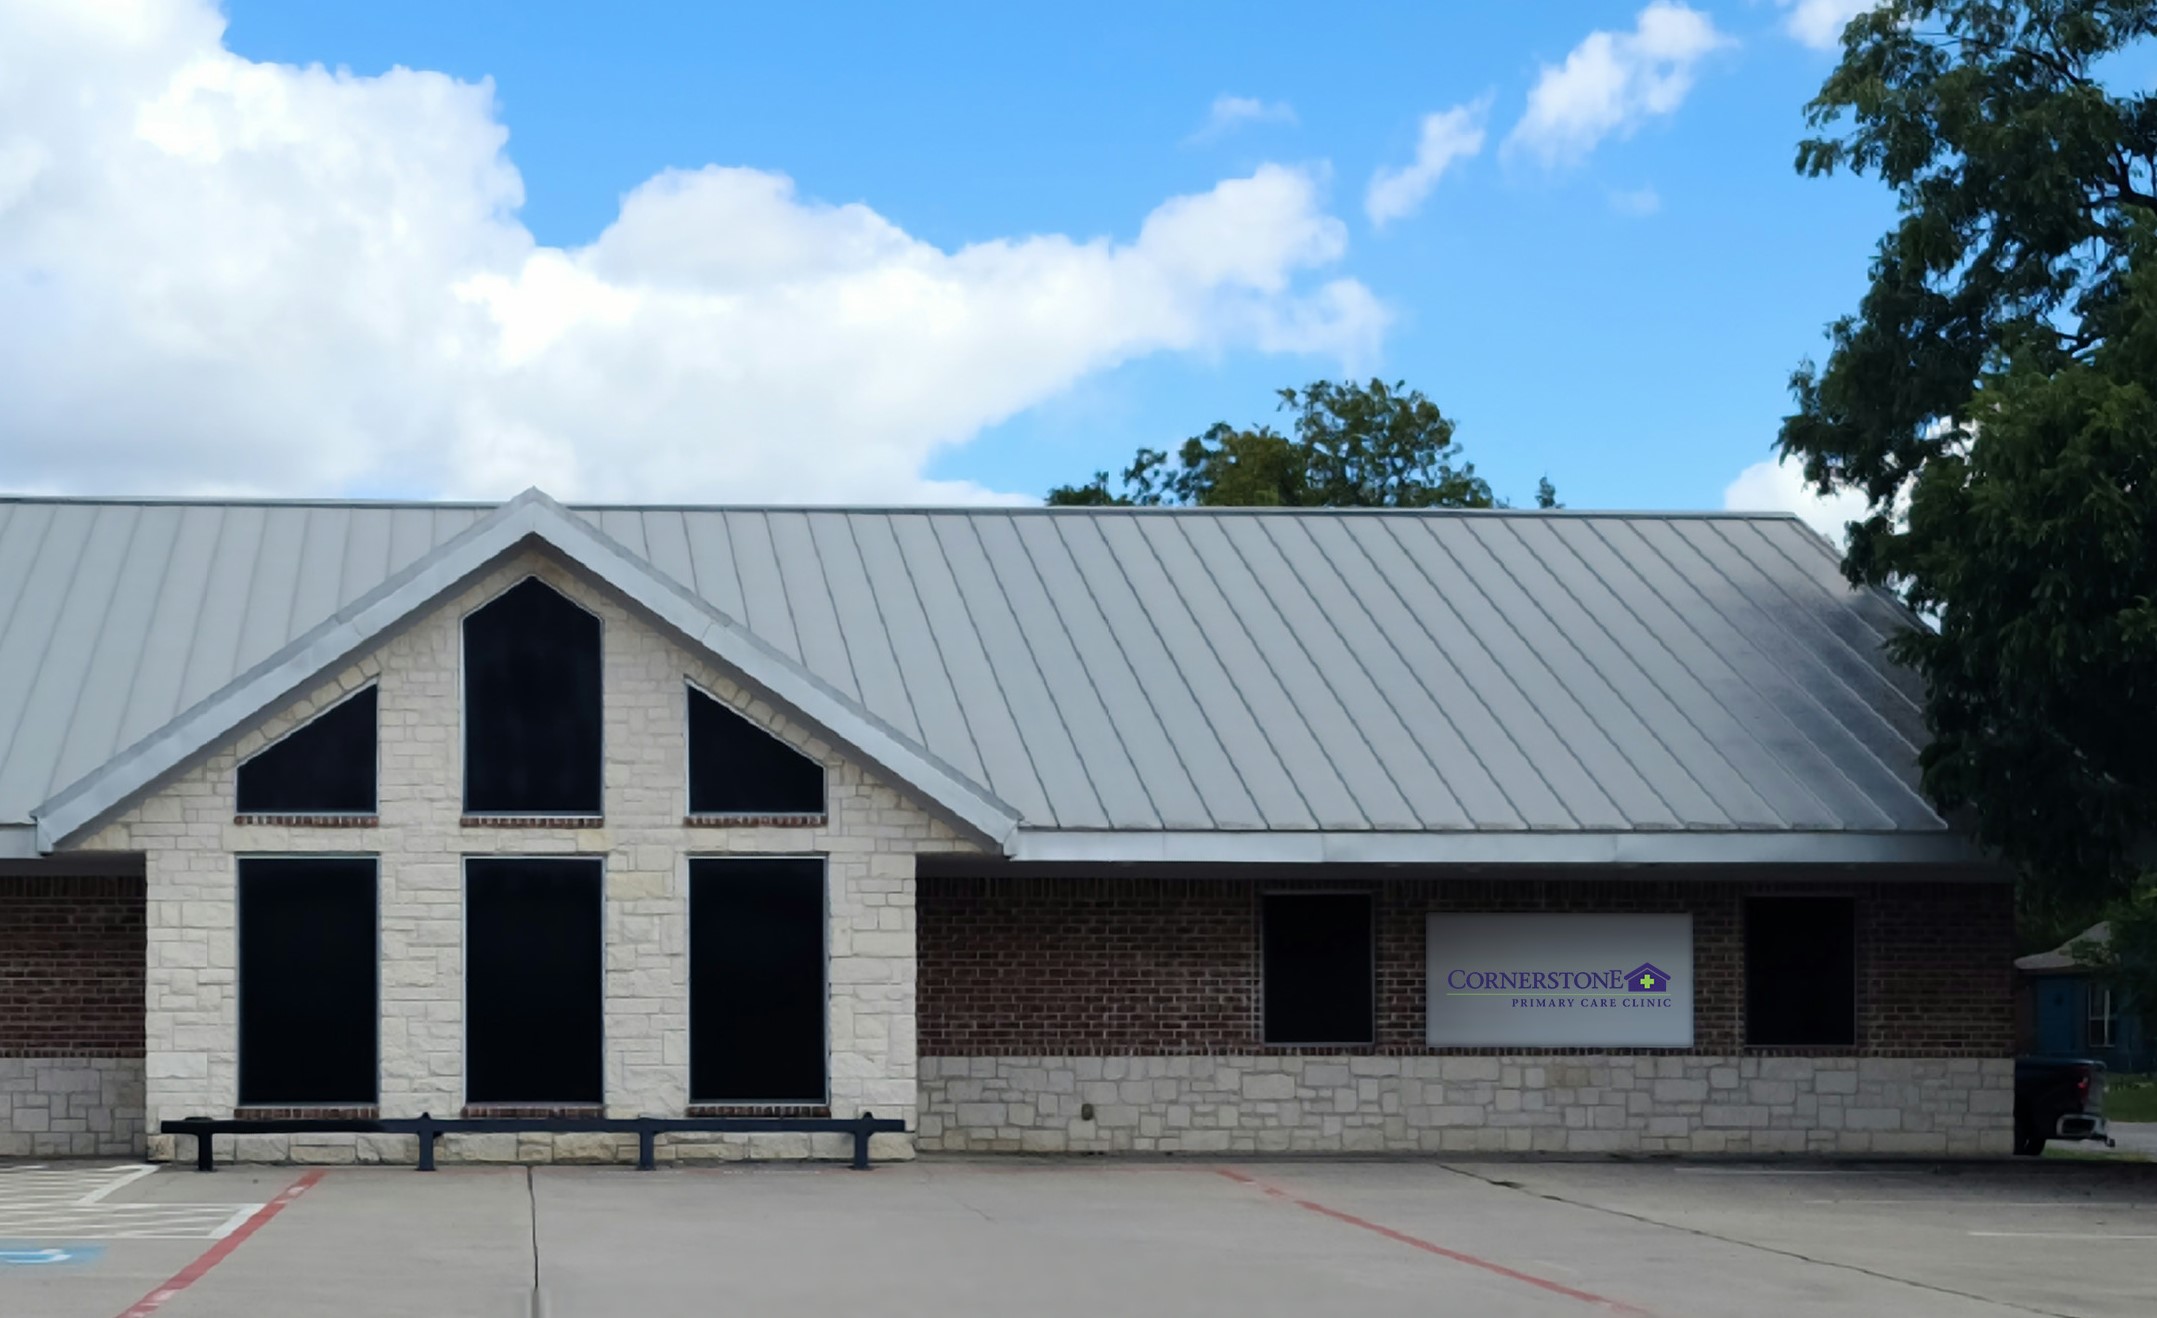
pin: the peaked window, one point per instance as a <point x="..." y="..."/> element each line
<point x="737" y="768"/>
<point x="326" y="766"/>
<point x="531" y="705"/>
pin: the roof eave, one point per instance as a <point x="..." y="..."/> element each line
<point x="1498" y="848"/>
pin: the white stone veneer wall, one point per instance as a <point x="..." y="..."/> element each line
<point x="187" y="833"/>
<point x="1540" y="1104"/>
<point x="70" y="1107"/>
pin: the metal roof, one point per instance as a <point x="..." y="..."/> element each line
<point x="1164" y="674"/>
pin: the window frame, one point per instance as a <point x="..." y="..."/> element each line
<point x="464" y="976"/>
<point x="2105" y="1022"/>
<point x="691" y="688"/>
<point x="373" y="684"/>
<point x="689" y="970"/>
<point x="1747" y="904"/>
<point x="239" y="979"/>
<point x="464" y="720"/>
<point x="1369" y="896"/>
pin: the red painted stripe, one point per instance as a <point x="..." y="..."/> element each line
<point x="1430" y="1247"/>
<point x="216" y="1254"/>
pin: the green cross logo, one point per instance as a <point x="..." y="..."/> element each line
<point x="1647" y="981"/>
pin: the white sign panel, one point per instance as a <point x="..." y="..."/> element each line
<point x="1561" y="981"/>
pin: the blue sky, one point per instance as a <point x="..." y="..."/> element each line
<point x="1621" y="314"/>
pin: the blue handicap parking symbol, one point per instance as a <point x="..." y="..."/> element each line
<point x="35" y="1256"/>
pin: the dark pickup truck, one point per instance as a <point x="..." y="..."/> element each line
<point x="2058" y="1098"/>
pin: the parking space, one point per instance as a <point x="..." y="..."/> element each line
<point x="1071" y="1238"/>
<point x="83" y="1201"/>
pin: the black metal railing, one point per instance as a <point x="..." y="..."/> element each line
<point x="430" y="1128"/>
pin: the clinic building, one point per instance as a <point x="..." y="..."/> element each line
<point x="1044" y="830"/>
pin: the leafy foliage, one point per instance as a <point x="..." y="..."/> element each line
<point x="1351" y="446"/>
<point x="2036" y="546"/>
<point x="2019" y="174"/>
<point x="1992" y="398"/>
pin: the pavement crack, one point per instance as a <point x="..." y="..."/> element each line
<point x="531" y="1199"/>
<point x="1705" y="1234"/>
<point x="983" y="1215"/>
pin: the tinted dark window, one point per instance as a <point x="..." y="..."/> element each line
<point x="531" y="705"/>
<point x="532" y="988"/>
<point x="322" y="767"/>
<point x="1316" y="959"/>
<point x="756" y="981"/>
<point x="307" y="981"/>
<point x="735" y="767"/>
<point x="1800" y="971"/>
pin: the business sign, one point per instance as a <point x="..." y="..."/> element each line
<point x="1561" y="981"/>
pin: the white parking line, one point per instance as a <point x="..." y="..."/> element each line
<point x="234" y="1222"/>
<point x="73" y="1203"/>
<point x="2049" y="1235"/>
<point x="95" y="1196"/>
<point x="1771" y="1171"/>
<point x="1962" y="1204"/>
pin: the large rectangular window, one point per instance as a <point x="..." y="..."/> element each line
<point x="533" y="988"/>
<point x="1316" y="963"/>
<point x="756" y="980"/>
<point x="307" y="953"/>
<point x="1800" y="972"/>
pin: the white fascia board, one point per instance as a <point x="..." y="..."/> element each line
<point x="1494" y="848"/>
<point x="18" y="842"/>
<point x="530" y="515"/>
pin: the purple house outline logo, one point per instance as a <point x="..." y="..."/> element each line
<point x="1646" y="978"/>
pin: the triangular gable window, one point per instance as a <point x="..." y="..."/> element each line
<point x="325" y="766"/>
<point x="737" y="768"/>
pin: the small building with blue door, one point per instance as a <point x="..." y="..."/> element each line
<point x="2072" y="1012"/>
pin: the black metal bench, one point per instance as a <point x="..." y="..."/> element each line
<point x="430" y="1128"/>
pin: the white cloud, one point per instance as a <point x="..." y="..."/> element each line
<point x="1819" y="23"/>
<point x="1637" y="202"/>
<point x="1612" y="82"/>
<point x="1229" y="113"/>
<point x="217" y="274"/>
<point x="1446" y="136"/>
<point x="1776" y="486"/>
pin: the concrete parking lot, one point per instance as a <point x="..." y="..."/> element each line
<point x="1072" y="1238"/>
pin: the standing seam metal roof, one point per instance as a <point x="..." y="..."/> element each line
<point x="1109" y="669"/>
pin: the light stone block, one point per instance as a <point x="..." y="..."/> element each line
<point x="1584" y="1105"/>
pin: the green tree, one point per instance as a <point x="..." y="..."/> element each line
<point x="1991" y="399"/>
<point x="2034" y="545"/>
<point x="1350" y="446"/>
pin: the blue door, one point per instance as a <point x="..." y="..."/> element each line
<point x="2062" y="1001"/>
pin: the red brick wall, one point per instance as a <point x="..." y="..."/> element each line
<point x="1047" y="967"/>
<point x="1935" y="968"/>
<point x="71" y="967"/>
